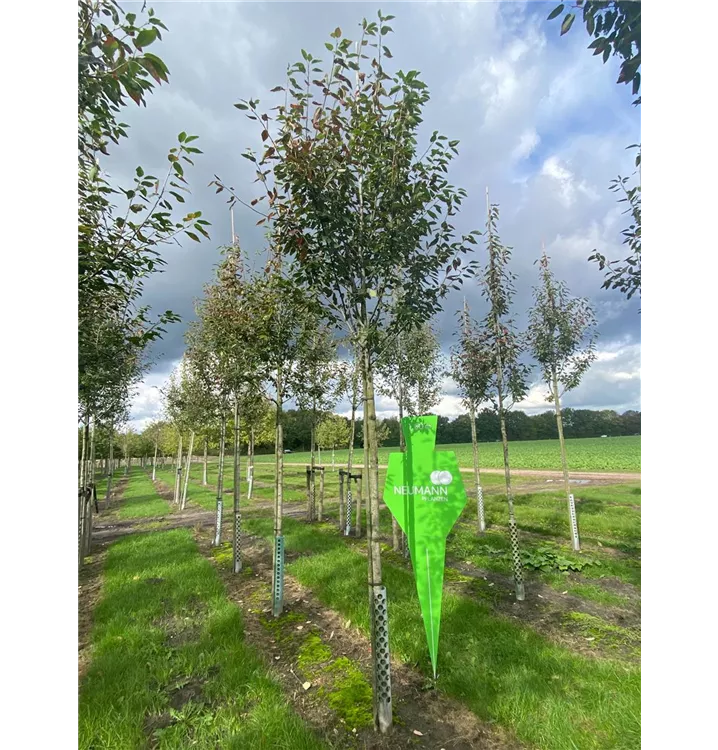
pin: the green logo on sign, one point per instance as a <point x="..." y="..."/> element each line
<point x="425" y="494"/>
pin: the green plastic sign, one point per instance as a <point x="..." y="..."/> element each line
<point x="425" y="494"/>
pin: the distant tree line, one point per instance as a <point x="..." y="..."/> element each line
<point x="578" y="423"/>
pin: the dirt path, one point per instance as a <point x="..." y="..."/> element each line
<point x="612" y="475"/>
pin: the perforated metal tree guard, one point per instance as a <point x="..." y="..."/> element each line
<point x="382" y="662"/>
<point x="574" y="523"/>
<point x="349" y="511"/>
<point x="236" y="551"/>
<point x="218" y="524"/>
<point x="310" y="506"/>
<point x="278" y="576"/>
<point x="342" y="506"/>
<point x="482" y="518"/>
<point x="516" y="558"/>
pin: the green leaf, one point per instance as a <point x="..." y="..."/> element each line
<point x="193" y="236"/>
<point x="145" y="38"/>
<point x="241" y="106"/>
<point x="567" y="23"/>
<point x="181" y="137"/>
<point x="336" y="33"/>
<point x="555" y="12"/>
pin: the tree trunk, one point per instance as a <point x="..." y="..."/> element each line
<point x="178" y="470"/>
<point x="477" y="474"/>
<point x="250" y="463"/>
<point x="188" y="468"/>
<point x="396" y="533"/>
<point x="365" y="468"/>
<point x="320" y="513"/>
<point x="81" y="497"/>
<point x="220" y="482"/>
<point x="344" y="513"/>
<point x="278" y="560"/>
<point x="91" y="484"/>
<point x="377" y="592"/>
<point x="513" y="530"/>
<point x="154" y="461"/>
<point x="312" y="488"/>
<point x="236" y="550"/>
<point x="204" y="465"/>
<point x="112" y="467"/>
<point x="572" y="520"/>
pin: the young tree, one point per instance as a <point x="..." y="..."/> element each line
<point x="208" y="369"/>
<point x="364" y="213"/>
<point x="508" y="383"/>
<point x="333" y="431"/>
<point x="230" y="325"/>
<point x="562" y="334"/>
<point x="119" y="246"/>
<point x="257" y="429"/>
<point x="319" y="392"/>
<point x="281" y="310"/>
<point x="410" y="372"/>
<point x="472" y="366"/>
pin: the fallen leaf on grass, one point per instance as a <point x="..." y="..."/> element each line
<point x="418" y="733"/>
<point x="306" y="685"/>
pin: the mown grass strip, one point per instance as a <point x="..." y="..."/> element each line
<point x="503" y="671"/>
<point x="169" y="663"/>
<point x="139" y="499"/>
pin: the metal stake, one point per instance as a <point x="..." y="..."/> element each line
<point x="574" y="523"/>
<point x="278" y="577"/>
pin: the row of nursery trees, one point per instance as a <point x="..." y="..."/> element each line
<point x="363" y="251"/>
<point x="333" y="430"/>
<point x="362" y="254"/>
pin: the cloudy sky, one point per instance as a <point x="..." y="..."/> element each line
<point x="541" y="122"/>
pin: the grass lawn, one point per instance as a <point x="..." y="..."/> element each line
<point x="140" y="500"/>
<point x="502" y="670"/>
<point x="169" y="667"/>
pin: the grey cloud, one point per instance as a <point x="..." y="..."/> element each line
<point x="497" y="73"/>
